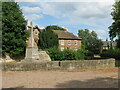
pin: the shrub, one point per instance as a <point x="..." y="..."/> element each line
<point x="79" y="55"/>
<point x="87" y="54"/>
<point x="68" y="54"/>
<point x="107" y="54"/>
<point x="117" y="54"/>
<point x="111" y="53"/>
<point x="55" y="54"/>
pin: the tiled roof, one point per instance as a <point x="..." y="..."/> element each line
<point x="66" y="35"/>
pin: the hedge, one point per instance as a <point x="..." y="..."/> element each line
<point x="68" y="54"/>
<point x="111" y="53"/>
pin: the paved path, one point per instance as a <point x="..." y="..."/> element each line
<point x="90" y="78"/>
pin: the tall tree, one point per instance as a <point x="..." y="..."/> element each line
<point x="13" y="29"/>
<point x="47" y="39"/>
<point x="0" y="29"/>
<point x="90" y="40"/>
<point x="115" y="27"/>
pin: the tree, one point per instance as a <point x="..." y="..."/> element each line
<point x="54" y="27"/>
<point x="13" y="29"/>
<point x="115" y="27"/>
<point x="0" y="29"/>
<point x="47" y="39"/>
<point x="90" y="40"/>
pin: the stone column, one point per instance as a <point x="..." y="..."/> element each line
<point x="32" y="37"/>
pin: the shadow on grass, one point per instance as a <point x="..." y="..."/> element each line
<point x="92" y="83"/>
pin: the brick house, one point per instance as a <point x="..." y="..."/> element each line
<point x="66" y="39"/>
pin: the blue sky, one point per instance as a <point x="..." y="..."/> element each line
<point x="92" y="15"/>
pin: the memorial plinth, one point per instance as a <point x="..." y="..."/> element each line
<point x="32" y="55"/>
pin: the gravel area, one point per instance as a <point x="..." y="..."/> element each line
<point x="85" y="78"/>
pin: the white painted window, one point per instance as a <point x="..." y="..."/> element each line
<point x="62" y="48"/>
<point x="62" y="42"/>
<point x="75" y="42"/>
<point x="69" y="42"/>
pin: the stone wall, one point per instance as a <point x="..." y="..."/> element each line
<point x="59" y="65"/>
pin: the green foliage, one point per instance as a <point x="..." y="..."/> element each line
<point x="111" y="53"/>
<point x="0" y="29"/>
<point x="118" y="43"/>
<point x="55" y="54"/>
<point x="68" y="54"/>
<point x="87" y="54"/>
<point x="0" y="43"/>
<point x="54" y="27"/>
<point x="115" y="27"/>
<point x="13" y="32"/>
<point x="79" y="55"/>
<point x="47" y="39"/>
<point x="90" y="40"/>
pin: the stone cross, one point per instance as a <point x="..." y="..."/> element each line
<point x="32" y="37"/>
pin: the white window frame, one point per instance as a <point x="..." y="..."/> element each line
<point x="69" y="42"/>
<point x="62" y="42"/>
<point x="75" y="42"/>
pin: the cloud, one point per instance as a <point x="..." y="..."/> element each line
<point x="89" y="10"/>
<point x="82" y="11"/>
<point x="101" y="33"/>
<point x="33" y="17"/>
<point x="31" y="9"/>
<point x="49" y="9"/>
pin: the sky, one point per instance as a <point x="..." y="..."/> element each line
<point x="73" y="15"/>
